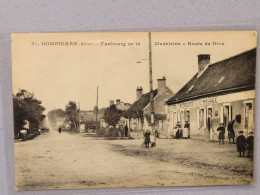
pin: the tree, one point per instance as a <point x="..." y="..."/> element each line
<point x="112" y="115"/>
<point x="72" y="114"/>
<point x="27" y="107"/>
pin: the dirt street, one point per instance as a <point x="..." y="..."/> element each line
<point x="63" y="161"/>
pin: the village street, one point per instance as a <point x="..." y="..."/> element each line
<point x="62" y="161"/>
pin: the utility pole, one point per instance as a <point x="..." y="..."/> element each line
<point x="151" y="84"/>
<point x="97" y="109"/>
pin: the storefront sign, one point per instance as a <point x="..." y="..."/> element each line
<point x="202" y="102"/>
<point x="208" y="101"/>
<point x="186" y="104"/>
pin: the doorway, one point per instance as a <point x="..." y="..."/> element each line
<point x="209" y="122"/>
<point x="227" y="114"/>
<point x="249" y="116"/>
<point x="201" y="119"/>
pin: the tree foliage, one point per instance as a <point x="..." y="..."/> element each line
<point x="72" y="114"/>
<point x="27" y="107"/>
<point x="112" y="115"/>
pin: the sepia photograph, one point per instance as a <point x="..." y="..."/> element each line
<point x="133" y="109"/>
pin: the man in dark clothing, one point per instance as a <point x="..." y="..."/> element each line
<point x="178" y="134"/>
<point x="126" y="131"/>
<point x="156" y="133"/>
<point x="231" y="132"/>
<point x="59" y="130"/>
<point x="147" y="138"/>
<point x="221" y="135"/>
<point x="250" y="144"/>
<point x="241" y="143"/>
<point x="187" y="125"/>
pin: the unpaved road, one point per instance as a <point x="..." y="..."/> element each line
<point x="63" y="161"/>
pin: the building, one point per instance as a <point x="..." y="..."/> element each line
<point x="218" y="93"/>
<point x="138" y="115"/>
<point x="119" y="106"/>
<point x="88" y="119"/>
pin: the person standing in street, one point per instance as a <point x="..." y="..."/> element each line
<point x="59" y="130"/>
<point x="126" y="131"/>
<point x="250" y="144"/>
<point x="187" y="128"/>
<point x="231" y="132"/>
<point x="241" y="144"/>
<point x="147" y="138"/>
<point x="221" y="135"/>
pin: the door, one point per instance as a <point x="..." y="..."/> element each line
<point x="209" y="118"/>
<point x="226" y="114"/>
<point x="209" y="122"/>
<point x="249" y="118"/>
<point x="187" y="117"/>
<point x="201" y="118"/>
<point x="182" y="119"/>
<point x="174" y="119"/>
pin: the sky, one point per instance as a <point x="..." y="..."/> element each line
<point x="116" y="62"/>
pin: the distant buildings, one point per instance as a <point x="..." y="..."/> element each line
<point x="88" y="118"/>
<point x="120" y="106"/>
<point x="218" y="93"/>
<point x="138" y="115"/>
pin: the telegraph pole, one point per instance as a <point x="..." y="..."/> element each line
<point x="151" y="84"/>
<point x="97" y="109"/>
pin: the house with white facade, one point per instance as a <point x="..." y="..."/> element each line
<point x="217" y="93"/>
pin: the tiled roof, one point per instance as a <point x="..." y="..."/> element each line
<point x="123" y="106"/>
<point x="234" y="74"/>
<point x="136" y="110"/>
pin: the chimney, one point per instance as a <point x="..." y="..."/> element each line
<point x="161" y="83"/>
<point x="203" y="61"/>
<point x="139" y="92"/>
<point x="117" y="102"/>
<point x="111" y="102"/>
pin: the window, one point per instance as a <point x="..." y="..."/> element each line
<point x="187" y="116"/>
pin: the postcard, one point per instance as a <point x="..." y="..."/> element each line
<point x="133" y="109"/>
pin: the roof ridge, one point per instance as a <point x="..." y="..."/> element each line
<point x="233" y="56"/>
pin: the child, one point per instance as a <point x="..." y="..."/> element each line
<point x="250" y="144"/>
<point x="221" y="135"/>
<point x="241" y="144"/>
<point x="147" y="138"/>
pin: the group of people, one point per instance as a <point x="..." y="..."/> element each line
<point x="231" y="132"/>
<point x="149" y="138"/>
<point x="242" y="142"/>
<point x="180" y="133"/>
